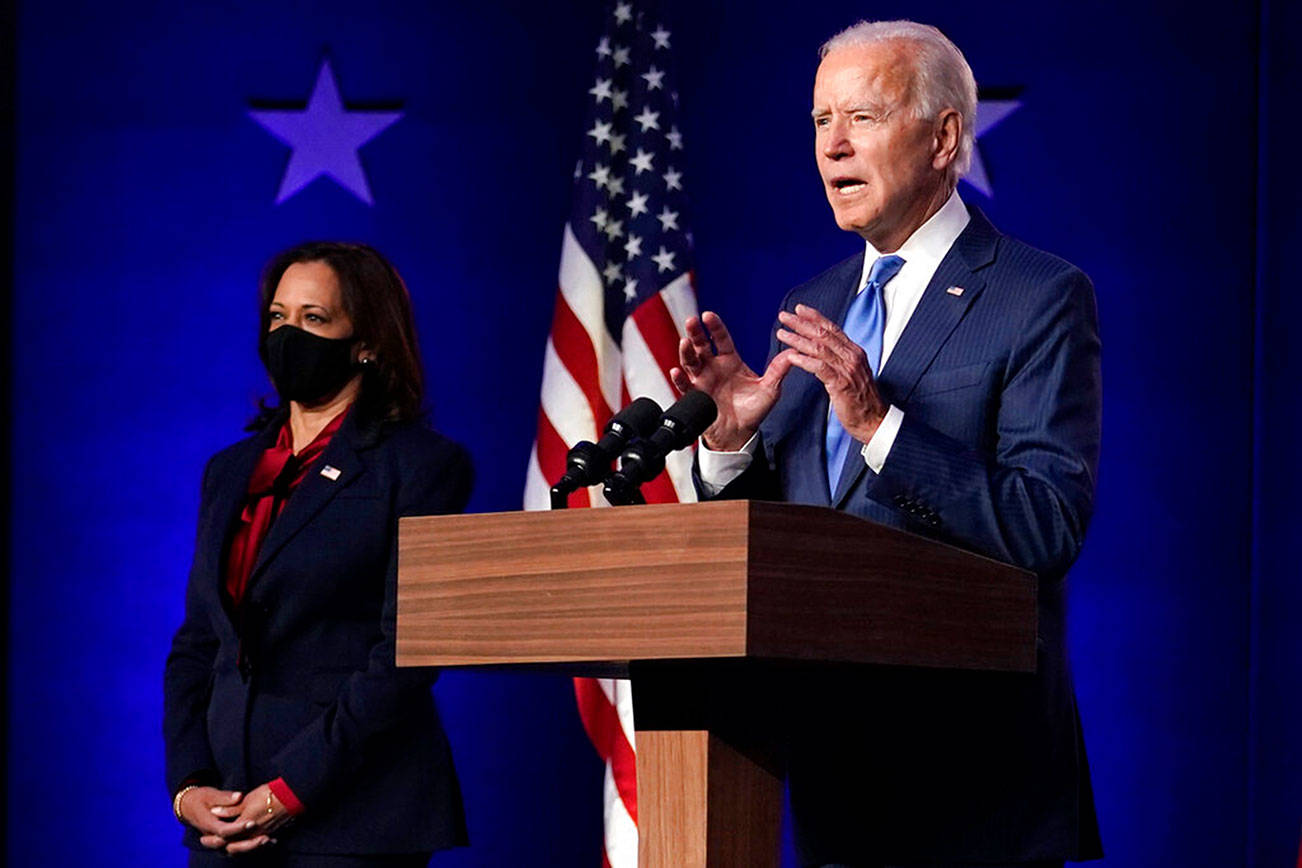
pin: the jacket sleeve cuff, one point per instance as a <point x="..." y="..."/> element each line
<point x="281" y="791"/>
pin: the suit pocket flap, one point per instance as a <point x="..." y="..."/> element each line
<point x="950" y="379"/>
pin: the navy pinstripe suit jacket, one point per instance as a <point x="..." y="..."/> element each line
<point x="998" y="453"/>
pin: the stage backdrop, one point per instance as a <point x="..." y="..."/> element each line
<point x="146" y="202"/>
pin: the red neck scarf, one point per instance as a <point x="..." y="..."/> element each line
<point x="277" y="473"/>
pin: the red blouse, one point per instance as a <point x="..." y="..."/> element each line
<point x="277" y="473"/>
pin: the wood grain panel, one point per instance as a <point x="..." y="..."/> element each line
<point x="828" y="586"/>
<point x="647" y="582"/>
<point x="702" y="804"/>
<point x="708" y="580"/>
<point x="672" y="788"/>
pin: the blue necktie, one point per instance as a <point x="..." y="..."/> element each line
<point x="864" y="323"/>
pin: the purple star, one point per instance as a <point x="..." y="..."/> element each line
<point x="988" y="115"/>
<point x="325" y="137"/>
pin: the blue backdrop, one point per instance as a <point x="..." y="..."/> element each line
<point x="1151" y="149"/>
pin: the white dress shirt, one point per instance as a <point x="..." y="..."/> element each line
<point x="922" y="253"/>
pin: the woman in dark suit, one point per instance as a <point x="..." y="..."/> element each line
<point x="290" y="735"/>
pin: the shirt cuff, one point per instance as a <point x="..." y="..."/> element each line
<point x="876" y="449"/>
<point x="281" y="790"/>
<point x="717" y="469"/>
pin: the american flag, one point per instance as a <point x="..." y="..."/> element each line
<point x="625" y="291"/>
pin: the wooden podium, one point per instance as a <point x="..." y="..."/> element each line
<point x="687" y="599"/>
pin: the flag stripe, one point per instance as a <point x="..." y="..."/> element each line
<point x="605" y="728"/>
<point x="579" y="357"/>
<point x="566" y="406"/>
<point x="581" y="287"/>
<point x="658" y="332"/>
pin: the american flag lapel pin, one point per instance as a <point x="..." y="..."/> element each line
<point x="955" y="290"/>
<point x="331" y="472"/>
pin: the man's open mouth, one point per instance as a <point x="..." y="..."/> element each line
<point x="848" y="186"/>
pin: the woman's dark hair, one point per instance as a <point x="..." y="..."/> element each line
<point x="376" y="300"/>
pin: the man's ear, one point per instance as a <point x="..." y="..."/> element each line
<point x="948" y="134"/>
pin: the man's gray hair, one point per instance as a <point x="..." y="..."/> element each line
<point x="941" y="77"/>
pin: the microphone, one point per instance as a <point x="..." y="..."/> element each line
<point x="588" y="463"/>
<point x="681" y="424"/>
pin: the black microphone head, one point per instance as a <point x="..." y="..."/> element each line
<point x="695" y="412"/>
<point x="642" y="416"/>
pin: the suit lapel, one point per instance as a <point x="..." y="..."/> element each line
<point x="315" y="491"/>
<point x="933" y="321"/>
<point x="227" y="502"/>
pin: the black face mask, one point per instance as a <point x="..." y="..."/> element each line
<point x="307" y="367"/>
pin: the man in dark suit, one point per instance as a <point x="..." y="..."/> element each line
<point x="946" y="382"/>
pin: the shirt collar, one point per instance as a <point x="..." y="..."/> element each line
<point x="929" y="243"/>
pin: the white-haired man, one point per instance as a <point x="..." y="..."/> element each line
<point x="946" y="382"/>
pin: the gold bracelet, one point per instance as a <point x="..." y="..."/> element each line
<point x="176" y="802"/>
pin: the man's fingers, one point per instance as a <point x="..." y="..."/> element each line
<point x="718" y="333"/>
<point x="823" y="332"/>
<point x="697" y="335"/>
<point x="681" y="381"/>
<point x="817" y="367"/>
<point x="812" y="315"/>
<point x="688" y="356"/>
<point x="777" y="369"/>
<point x="802" y="344"/>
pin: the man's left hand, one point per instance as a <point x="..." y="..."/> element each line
<point x="841" y="365"/>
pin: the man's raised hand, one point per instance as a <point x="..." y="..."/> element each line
<point x="743" y="397"/>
